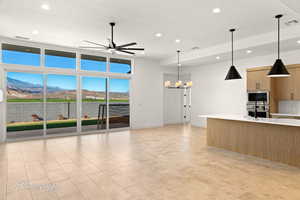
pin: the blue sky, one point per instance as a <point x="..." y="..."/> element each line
<point x="66" y="81"/>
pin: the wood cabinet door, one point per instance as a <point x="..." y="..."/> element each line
<point x="286" y="86"/>
<point x="264" y="80"/>
<point x="251" y="81"/>
<point x="258" y="80"/>
<point x="296" y="83"/>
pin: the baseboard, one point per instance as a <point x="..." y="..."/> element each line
<point x="146" y="126"/>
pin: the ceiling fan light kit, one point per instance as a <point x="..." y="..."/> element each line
<point x="112" y="47"/>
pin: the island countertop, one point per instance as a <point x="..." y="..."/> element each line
<point x="275" y="121"/>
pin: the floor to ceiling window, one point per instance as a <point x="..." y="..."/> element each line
<point x="61" y="112"/>
<point x="94" y="102"/>
<point x="60" y="59"/>
<point x="43" y="103"/>
<point x="25" y="107"/>
<point x="119" y="103"/>
<point x="21" y="55"/>
<point x="119" y="110"/>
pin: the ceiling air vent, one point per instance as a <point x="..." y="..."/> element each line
<point x="22" y="38"/>
<point x="291" y="22"/>
<point x="195" y="48"/>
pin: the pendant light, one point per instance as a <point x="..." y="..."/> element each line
<point x="178" y="84"/>
<point x="278" y="69"/>
<point x="232" y="73"/>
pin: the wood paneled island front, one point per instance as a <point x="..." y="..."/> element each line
<point x="273" y="139"/>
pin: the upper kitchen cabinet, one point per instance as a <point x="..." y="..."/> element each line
<point x="297" y="84"/>
<point x="257" y="79"/>
<point x="288" y="88"/>
<point x="284" y="88"/>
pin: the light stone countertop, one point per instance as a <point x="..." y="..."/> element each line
<point x="284" y="122"/>
<point x="285" y="114"/>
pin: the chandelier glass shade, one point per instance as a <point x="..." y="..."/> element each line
<point x="178" y="84"/>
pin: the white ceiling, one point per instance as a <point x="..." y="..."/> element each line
<point x="68" y="22"/>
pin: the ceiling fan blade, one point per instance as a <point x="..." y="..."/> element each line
<point x="87" y="47"/>
<point x="133" y="49"/>
<point x="126" y="45"/>
<point x="126" y="52"/>
<point x="94" y="43"/>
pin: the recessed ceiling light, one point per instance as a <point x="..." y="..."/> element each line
<point x="218" y="57"/>
<point x="216" y="10"/>
<point x="298" y="41"/>
<point x="248" y="51"/>
<point x="177" y="40"/>
<point x="158" y="34"/>
<point x="35" y="32"/>
<point x="45" y="6"/>
<point x="22" y="37"/>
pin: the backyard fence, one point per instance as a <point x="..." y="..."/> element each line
<point x="27" y="112"/>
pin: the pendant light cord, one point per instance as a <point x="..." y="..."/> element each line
<point x="112" y="34"/>
<point x="278" y="37"/>
<point x="232" y="30"/>
<point x="232" y="48"/>
<point x="178" y="67"/>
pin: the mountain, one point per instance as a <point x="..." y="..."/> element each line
<point x="25" y="90"/>
<point x="26" y="87"/>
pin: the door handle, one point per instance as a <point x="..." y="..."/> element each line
<point x="257" y="85"/>
<point x="292" y="96"/>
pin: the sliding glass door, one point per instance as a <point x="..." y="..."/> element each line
<point x="25" y="107"/>
<point x="119" y="110"/>
<point x="39" y="104"/>
<point x="94" y="101"/>
<point x="61" y="93"/>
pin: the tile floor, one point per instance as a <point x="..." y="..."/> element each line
<point x="170" y="163"/>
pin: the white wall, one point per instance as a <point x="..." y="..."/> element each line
<point x="211" y="94"/>
<point x="147" y="94"/>
<point x="2" y="113"/>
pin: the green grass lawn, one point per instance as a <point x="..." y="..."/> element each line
<point x="64" y="100"/>
<point x="50" y="124"/>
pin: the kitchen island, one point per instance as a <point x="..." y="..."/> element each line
<point x="273" y="139"/>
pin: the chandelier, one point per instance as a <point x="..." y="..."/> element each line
<point x="178" y="84"/>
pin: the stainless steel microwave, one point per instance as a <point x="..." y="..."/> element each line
<point x="259" y="96"/>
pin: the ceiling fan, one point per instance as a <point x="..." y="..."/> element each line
<point x="112" y="47"/>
